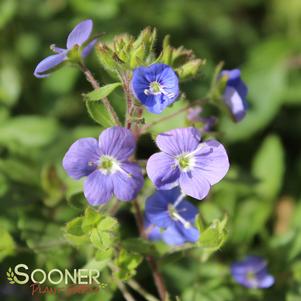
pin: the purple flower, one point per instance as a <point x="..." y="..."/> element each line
<point x="106" y="165"/>
<point x="235" y="94"/>
<point x="194" y="116"/>
<point x="155" y="86"/>
<point x="169" y="210"/>
<point x="78" y="37"/>
<point x="152" y="232"/>
<point x="252" y="273"/>
<point x="185" y="162"/>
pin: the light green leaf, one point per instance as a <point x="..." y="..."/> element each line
<point x="268" y="167"/>
<point x="102" y="92"/>
<point x="7" y="245"/>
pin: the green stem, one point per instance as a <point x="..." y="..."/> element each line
<point x="136" y="287"/>
<point x="91" y="79"/>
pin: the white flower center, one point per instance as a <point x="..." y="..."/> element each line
<point x="155" y="88"/>
<point x="108" y="165"/>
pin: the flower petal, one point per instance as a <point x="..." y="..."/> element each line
<point x="162" y="170"/>
<point x="98" y="188"/>
<point x="87" y="49"/>
<point x="194" y="184"/>
<point x="49" y="63"/>
<point x="127" y="185"/>
<point x="212" y="161"/>
<point x="178" y="235"/>
<point x="266" y="281"/>
<point x="178" y="141"/>
<point x="80" y="33"/>
<point x="235" y="103"/>
<point x="156" y="209"/>
<point x="80" y="160"/>
<point x="117" y="142"/>
<point x="187" y="210"/>
<point x="152" y="232"/>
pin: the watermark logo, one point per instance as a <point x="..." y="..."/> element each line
<point x="56" y="281"/>
<point x="10" y="276"/>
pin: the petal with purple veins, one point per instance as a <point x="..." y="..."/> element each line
<point x="194" y="184"/>
<point x="162" y="170"/>
<point x="178" y="141"/>
<point x="81" y="158"/>
<point x="127" y="183"/>
<point x="80" y="33"/>
<point x="117" y="142"/>
<point x="212" y="161"/>
<point x="98" y="188"/>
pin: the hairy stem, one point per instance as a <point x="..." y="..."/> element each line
<point x="159" y="282"/>
<point x="91" y="79"/>
<point x="129" y="100"/>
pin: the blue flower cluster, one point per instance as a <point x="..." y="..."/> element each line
<point x="185" y="165"/>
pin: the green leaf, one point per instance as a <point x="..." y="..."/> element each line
<point x="91" y="219"/>
<point x="29" y="131"/>
<point x="213" y="237"/>
<point x="102" y="92"/>
<point x="7" y="244"/>
<point x="99" y="113"/>
<point x="127" y="262"/>
<point x="269" y="167"/>
<point x="74" y="232"/>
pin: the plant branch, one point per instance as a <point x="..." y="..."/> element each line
<point x="91" y="79"/>
<point x="136" y="287"/>
<point x="126" y="294"/>
<point x="159" y="281"/>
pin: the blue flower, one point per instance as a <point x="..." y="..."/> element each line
<point x="106" y="165"/>
<point x="169" y="210"/>
<point x="252" y="273"/>
<point x="187" y="162"/>
<point x="78" y="37"/>
<point x="235" y="94"/>
<point x="156" y="86"/>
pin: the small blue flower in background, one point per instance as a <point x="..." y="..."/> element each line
<point x="194" y="116"/>
<point x="106" y="165"/>
<point x="155" y="86"/>
<point x="252" y="273"/>
<point x="186" y="162"/>
<point x="235" y="94"/>
<point x="167" y="209"/>
<point x="77" y="37"/>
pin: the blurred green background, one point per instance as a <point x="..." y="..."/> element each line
<point x="39" y="119"/>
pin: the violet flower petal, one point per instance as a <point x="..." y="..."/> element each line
<point x="98" y="188"/>
<point x="194" y="184"/>
<point x="178" y="141"/>
<point x="80" y="33"/>
<point x="212" y="161"/>
<point x="162" y="170"/>
<point x="127" y="184"/>
<point x="117" y="142"/>
<point x="81" y="158"/>
<point x="49" y="63"/>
